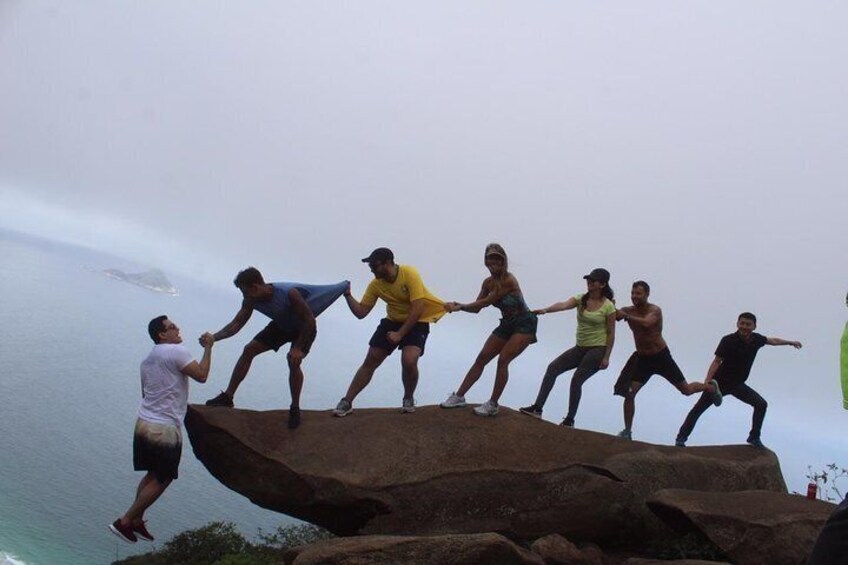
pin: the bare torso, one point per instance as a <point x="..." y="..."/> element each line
<point x="647" y="330"/>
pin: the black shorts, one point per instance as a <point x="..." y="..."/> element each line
<point x="522" y="324"/>
<point x="660" y="363"/>
<point x="157" y="448"/>
<point x="417" y="336"/>
<point x="275" y="337"/>
<point x="640" y="368"/>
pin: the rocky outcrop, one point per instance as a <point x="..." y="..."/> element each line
<point x="447" y="471"/>
<point x="471" y="549"/>
<point x="556" y="550"/>
<point x="750" y="526"/>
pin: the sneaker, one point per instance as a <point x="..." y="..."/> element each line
<point x="343" y="408"/>
<point x="408" y="406"/>
<point x="625" y="434"/>
<point x="531" y="410"/>
<point x="222" y="399"/>
<point x="680" y="442"/>
<point x="755" y="441"/>
<point x="488" y="408"/>
<point x="715" y="393"/>
<point x="123" y="532"/>
<point x="453" y="401"/>
<point x="567" y="422"/>
<point x="294" y="417"/>
<point x="141" y="531"/>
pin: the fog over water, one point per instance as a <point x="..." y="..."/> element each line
<point x="698" y="146"/>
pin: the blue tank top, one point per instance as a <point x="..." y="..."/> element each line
<point x="318" y="297"/>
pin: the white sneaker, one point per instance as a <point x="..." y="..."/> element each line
<point x="488" y="408"/>
<point x="453" y="401"/>
<point x="408" y="406"/>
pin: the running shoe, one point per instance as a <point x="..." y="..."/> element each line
<point x="343" y="408"/>
<point x="625" y="434"/>
<point x="294" y="417"/>
<point x="453" y="401"/>
<point x="488" y="408"/>
<point x="680" y="442"/>
<point x="123" y="532"/>
<point x="408" y="406"/>
<point x="141" y="531"/>
<point x="715" y="393"/>
<point x="567" y="422"/>
<point x="531" y="410"/>
<point x="222" y="399"/>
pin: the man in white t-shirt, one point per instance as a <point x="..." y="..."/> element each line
<point x="157" y="442"/>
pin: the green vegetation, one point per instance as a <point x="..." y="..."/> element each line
<point x="219" y="543"/>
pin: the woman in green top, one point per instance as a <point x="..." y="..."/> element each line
<point x="595" y="338"/>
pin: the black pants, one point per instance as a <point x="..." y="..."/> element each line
<point x="744" y="393"/>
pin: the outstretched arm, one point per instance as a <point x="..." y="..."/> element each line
<point x="231" y="329"/>
<point x="779" y="341"/>
<point x="569" y="304"/>
<point x="486" y="297"/>
<point x="357" y="308"/>
<point x="200" y="371"/>
<point x="652" y="318"/>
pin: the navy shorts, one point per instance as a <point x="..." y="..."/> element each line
<point x="275" y="337"/>
<point x="417" y="336"/>
<point x="157" y="448"/>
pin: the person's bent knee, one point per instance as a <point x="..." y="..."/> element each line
<point x="252" y="349"/>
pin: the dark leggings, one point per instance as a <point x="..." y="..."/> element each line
<point x="744" y="393"/>
<point x="587" y="361"/>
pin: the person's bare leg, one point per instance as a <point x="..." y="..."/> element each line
<point x="491" y="348"/>
<point x="242" y="366"/>
<point x="511" y="349"/>
<point x="373" y="359"/>
<point x="409" y="369"/>
<point x="630" y="405"/>
<point x="149" y="490"/>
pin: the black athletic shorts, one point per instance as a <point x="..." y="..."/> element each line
<point x="640" y="368"/>
<point x="660" y="363"/>
<point x="417" y="336"/>
<point x="157" y="448"/>
<point x="275" y="337"/>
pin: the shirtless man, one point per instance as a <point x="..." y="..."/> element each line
<point x="651" y="357"/>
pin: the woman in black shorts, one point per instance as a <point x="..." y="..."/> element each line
<point x="516" y="331"/>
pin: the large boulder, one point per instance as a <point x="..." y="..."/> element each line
<point x="469" y="549"/>
<point x="749" y="527"/>
<point x="447" y="471"/>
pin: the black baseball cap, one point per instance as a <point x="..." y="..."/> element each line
<point x="600" y="275"/>
<point x="379" y="255"/>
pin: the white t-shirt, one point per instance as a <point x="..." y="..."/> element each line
<point x="164" y="385"/>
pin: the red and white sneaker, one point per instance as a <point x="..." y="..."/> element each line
<point x="141" y="531"/>
<point x="123" y="532"/>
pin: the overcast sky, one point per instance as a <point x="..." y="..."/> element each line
<point x="698" y="145"/>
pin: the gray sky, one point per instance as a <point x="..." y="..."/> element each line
<point x="698" y="145"/>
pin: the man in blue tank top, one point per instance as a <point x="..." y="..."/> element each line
<point x="292" y="308"/>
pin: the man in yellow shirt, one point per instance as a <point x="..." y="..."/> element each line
<point x="410" y="308"/>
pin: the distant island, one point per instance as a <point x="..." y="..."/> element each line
<point x="154" y="280"/>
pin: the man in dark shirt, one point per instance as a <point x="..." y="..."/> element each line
<point x="734" y="357"/>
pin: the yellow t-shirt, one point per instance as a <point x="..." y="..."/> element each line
<point x="399" y="295"/>
<point x="592" y="326"/>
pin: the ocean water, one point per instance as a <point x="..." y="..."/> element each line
<point x="71" y="341"/>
